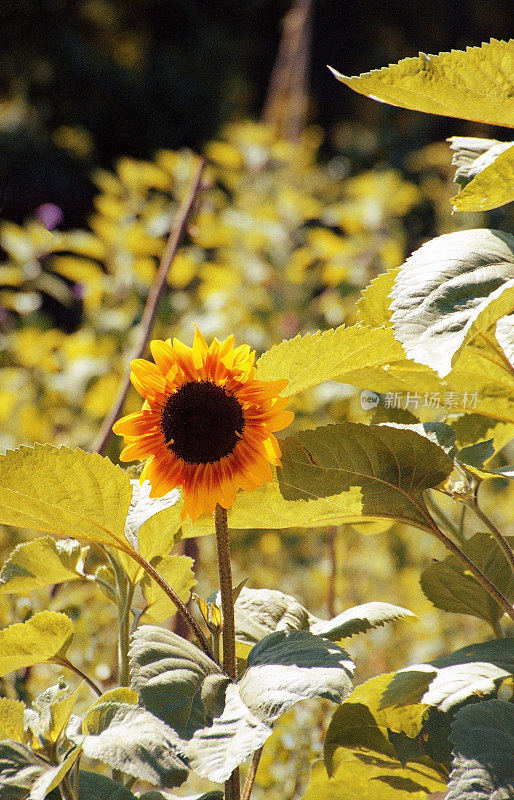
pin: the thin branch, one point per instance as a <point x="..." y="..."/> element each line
<point x="473" y="504"/>
<point x="232" y="790"/>
<point x="63" y="662"/>
<point x="493" y="342"/>
<point x="252" y="772"/>
<point x="152" y="303"/>
<point x="332" y="577"/>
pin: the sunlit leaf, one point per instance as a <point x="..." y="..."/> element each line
<point x="483" y="744"/>
<point x="44" y="637"/>
<point x="65" y="492"/>
<point x="42" y="562"/>
<point x="177" y="572"/>
<point x="471" y="286"/>
<point x="493" y="185"/>
<point x="11" y="719"/>
<point x="390" y="466"/>
<point x="373" y="307"/>
<point x="472" y="84"/>
<point x="50" y="713"/>
<point x="448" y="584"/>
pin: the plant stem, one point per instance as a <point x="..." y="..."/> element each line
<point x="252" y="772"/>
<point x="65" y="789"/>
<point x="124" y="594"/>
<point x="232" y="790"/>
<point x="332" y="577"/>
<point x="475" y="571"/>
<point x="175" y="599"/>
<point x="63" y="662"/>
<point x="438" y="512"/>
<point x="473" y="504"/>
<point x="152" y="303"/>
<point x="498" y="633"/>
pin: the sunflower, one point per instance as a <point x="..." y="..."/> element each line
<point x="206" y="424"/>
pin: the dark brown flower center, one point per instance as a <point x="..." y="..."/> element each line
<point x="204" y="421"/>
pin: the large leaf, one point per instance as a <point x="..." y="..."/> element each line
<point x="472" y="84"/>
<point x="391" y="468"/>
<point x="471" y="286"/>
<point x="44" y="637"/>
<point x="483" y="739"/>
<point x="65" y="492"/>
<point x="448" y="680"/>
<point x="309" y="360"/>
<point x="42" y="562"/>
<point x="449" y="586"/>
<point x="177" y="572"/>
<point x="493" y="184"/>
<point x="175" y="680"/>
<point x="24" y="775"/>
<point x="93" y="786"/>
<point x="131" y="739"/>
<point x="259" y="612"/>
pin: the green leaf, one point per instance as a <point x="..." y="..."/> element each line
<point x="449" y="680"/>
<point x="11" y="719"/>
<point x="471" y="428"/>
<point x="93" y="786"/>
<point x="390" y="467"/>
<point x="133" y="740"/>
<point x="373" y="307"/>
<point x="471" y="286"/>
<point x="101" y="711"/>
<point x="42" y="562"/>
<point x="331" y="355"/>
<point x="493" y="184"/>
<point x="473" y="84"/>
<point x="483" y="740"/>
<point x="65" y="492"/>
<point x="177" y="572"/>
<point x="44" y="637"/>
<point x="259" y="612"/>
<point x="175" y="680"/>
<point x="449" y="586"/>
<point x="19" y="770"/>
<point x="288" y="666"/>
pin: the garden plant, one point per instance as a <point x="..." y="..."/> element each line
<point x="232" y="442"/>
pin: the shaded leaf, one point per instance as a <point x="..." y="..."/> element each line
<point x="177" y="572"/>
<point x="471" y="155"/>
<point x="449" y="586"/>
<point x="52" y="777"/>
<point x="471" y="286"/>
<point x="175" y="680"/>
<point x="99" y="713"/>
<point x="19" y="770"/>
<point x="136" y="742"/>
<point x="493" y="184"/>
<point x="42" y="562"/>
<point x="391" y="468"/>
<point x="65" y="492"/>
<point x="93" y="786"/>
<point x="475" y="83"/>
<point x="44" y="637"/>
<point x="483" y="739"/>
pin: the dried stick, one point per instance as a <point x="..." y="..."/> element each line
<point x="152" y="303"/>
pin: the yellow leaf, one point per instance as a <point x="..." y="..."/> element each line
<point x="177" y="572"/>
<point x="40" y="562"/>
<point x="44" y="637"/>
<point x="492" y="187"/>
<point x="373" y="307"/>
<point x="473" y="84"/>
<point x="11" y="719"/>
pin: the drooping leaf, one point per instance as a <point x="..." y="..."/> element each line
<point x="390" y="467"/>
<point x="449" y="586"/>
<point x="133" y="740"/>
<point x="471" y="155"/>
<point x="373" y="307"/>
<point x="492" y="185"/>
<point x="175" y="680"/>
<point x="259" y="612"/>
<point x="472" y="84"/>
<point x="448" y="680"/>
<point x="309" y="360"/>
<point x="288" y="666"/>
<point x="11" y="719"/>
<point x="483" y="739"/>
<point x="52" y="777"/>
<point x="44" y="637"/>
<point x="177" y="572"/>
<point x="65" y="492"/>
<point x="50" y="713"/>
<point x="42" y="562"/>
<point x="471" y="286"/>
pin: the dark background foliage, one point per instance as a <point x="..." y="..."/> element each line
<point x="143" y="74"/>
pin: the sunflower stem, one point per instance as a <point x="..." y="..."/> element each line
<point x="232" y="786"/>
<point x="152" y="303"/>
